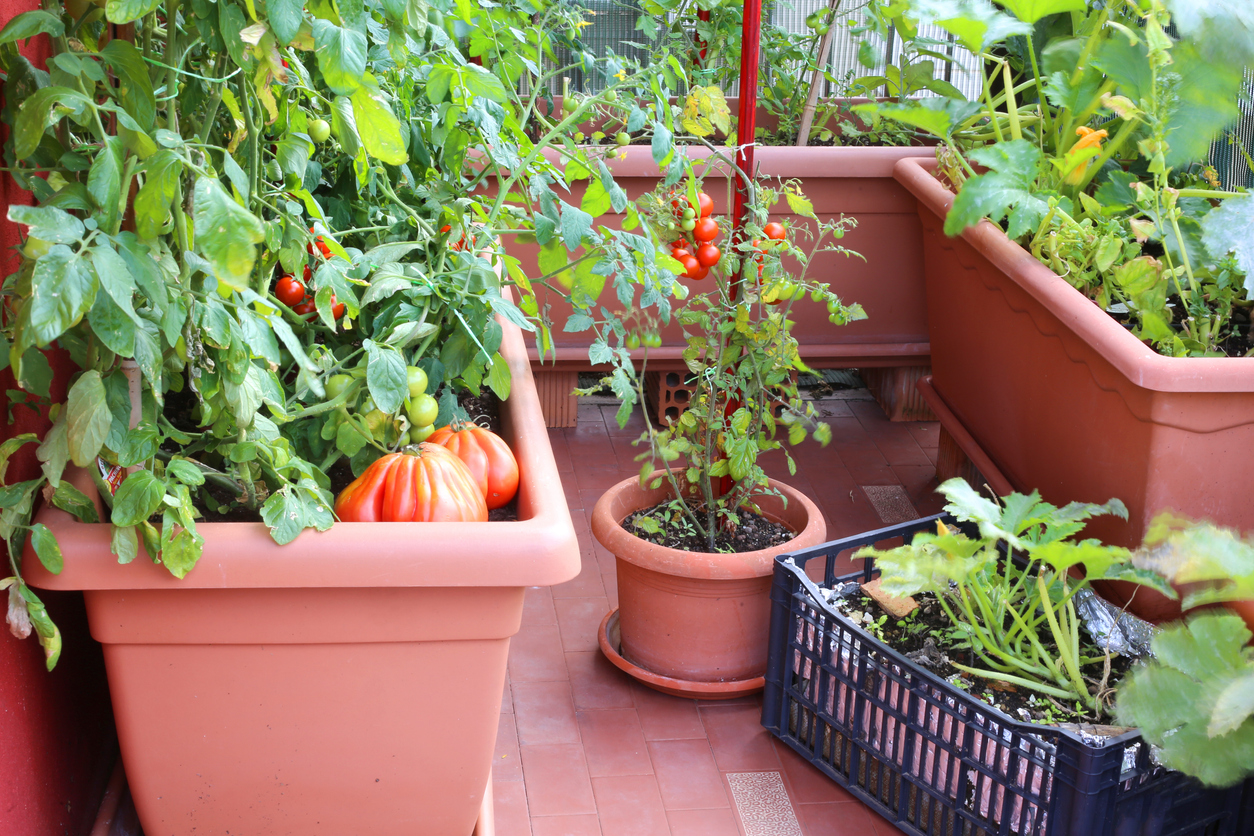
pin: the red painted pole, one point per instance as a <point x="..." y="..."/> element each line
<point x="704" y="15"/>
<point x="750" y="50"/>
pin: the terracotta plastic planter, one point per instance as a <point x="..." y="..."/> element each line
<point x="1065" y="400"/>
<point x="695" y="623"/>
<point x="347" y="683"/>
<point x="852" y="181"/>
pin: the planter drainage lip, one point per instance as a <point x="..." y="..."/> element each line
<point x="1140" y="364"/>
<point x="608" y="639"/>
<point x="780" y="161"/>
<point x="540" y="549"/>
<point x="610" y="511"/>
<point x="978" y="766"/>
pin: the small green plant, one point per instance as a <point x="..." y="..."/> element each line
<point x="1018" y="616"/>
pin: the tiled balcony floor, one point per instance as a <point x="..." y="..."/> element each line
<point x="583" y="749"/>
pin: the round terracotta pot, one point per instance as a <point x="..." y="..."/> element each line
<point x="696" y="616"/>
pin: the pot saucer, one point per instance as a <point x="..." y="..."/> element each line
<point x="608" y="638"/>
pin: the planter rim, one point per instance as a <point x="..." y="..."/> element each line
<point x="1139" y="363"/>
<point x="777" y="161"/>
<point x="539" y="549"/>
<point x="609" y="532"/>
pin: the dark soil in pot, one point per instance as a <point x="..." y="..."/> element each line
<point x="754" y="532"/>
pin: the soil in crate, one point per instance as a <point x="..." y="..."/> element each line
<point x="753" y="533"/>
<point x="928" y="639"/>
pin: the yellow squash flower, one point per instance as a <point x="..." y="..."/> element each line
<point x="1089" y="138"/>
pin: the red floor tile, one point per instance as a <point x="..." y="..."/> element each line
<point x="599" y="479"/>
<point x="587" y="584"/>
<point x="544" y="713"/>
<point x="578" y="619"/>
<point x="630" y="805"/>
<point x="610" y="581"/>
<point x="595" y="683"/>
<point x="588" y="825"/>
<point x="538" y="606"/>
<point x="509" y="808"/>
<point x="506" y="762"/>
<point x="926" y="433"/>
<point x="635" y="424"/>
<point x="664" y="717"/>
<point x="556" y="777"/>
<point x="507" y="698"/>
<point x="849" y="818"/>
<point x="687" y="775"/>
<point x="719" y="822"/>
<point x="613" y="743"/>
<point x="739" y="742"/>
<point x="536" y="655"/>
<point x="561" y="453"/>
<point x="806" y="784"/>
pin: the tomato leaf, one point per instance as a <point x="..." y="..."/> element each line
<point x="285" y="18"/>
<point x="225" y="233"/>
<point x="378" y="127"/>
<point x="46" y="547"/>
<point x="30" y="24"/>
<point x="341" y="56"/>
<point x="385" y="376"/>
<point x="137" y="499"/>
<point x="124" y="543"/>
<point x="124" y="11"/>
<point x="62" y="291"/>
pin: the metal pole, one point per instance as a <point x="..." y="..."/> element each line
<point x="750" y="50"/>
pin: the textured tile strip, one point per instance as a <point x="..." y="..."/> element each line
<point x="763" y="804"/>
<point x="891" y="503"/>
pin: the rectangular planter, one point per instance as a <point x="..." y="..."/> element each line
<point x="1063" y="399"/>
<point x="349" y="682"/>
<point x="933" y="760"/>
<point x="857" y="182"/>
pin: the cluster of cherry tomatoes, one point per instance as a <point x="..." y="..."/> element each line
<point x="292" y="292"/>
<point x="697" y="257"/>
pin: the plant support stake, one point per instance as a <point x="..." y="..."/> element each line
<point x="750" y="38"/>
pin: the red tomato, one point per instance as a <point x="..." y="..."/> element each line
<point x="705" y="205"/>
<point x="305" y="308"/>
<point x="289" y="291"/>
<point x="430" y="484"/>
<point x="774" y="231"/>
<point x="708" y="255"/>
<point x="337" y="308"/>
<point x="681" y="254"/>
<point x="701" y="273"/>
<point x="693" y="268"/>
<point x="705" y="230"/>
<point x="308" y="273"/>
<point x="487" y="456"/>
<point x="322" y="246"/>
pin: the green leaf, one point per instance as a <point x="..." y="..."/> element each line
<point x="498" y="378"/>
<point x="54" y="452"/>
<point x="576" y="225"/>
<point x="662" y="144"/>
<point x="596" y="200"/>
<point x="1234" y="706"/>
<point x="1030" y="11"/>
<point x="386" y="376"/>
<point x="975" y="23"/>
<point x="341" y="56"/>
<point x="186" y="472"/>
<point x="152" y="203"/>
<point x="284" y="513"/>
<point x="87" y="418"/>
<point x="285" y="17"/>
<point x="71" y="500"/>
<point x="137" y="499"/>
<point x="47" y="223"/>
<point x="182" y="552"/>
<point x="344" y="126"/>
<point x="37" y="114"/>
<point x="378" y="127"/>
<point x="124" y="11"/>
<point x="104" y="181"/>
<point x="30" y="24"/>
<point x="134" y="84"/>
<point x="225" y="233"/>
<point x="45" y="545"/>
<point x="937" y="116"/>
<point x="1006" y="190"/>
<point x="1229" y="228"/>
<point x="124" y="543"/>
<point x="62" y="290"/>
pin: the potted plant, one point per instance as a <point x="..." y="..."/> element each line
<point x="1107" y="355"/>
<point x="261" y="248"/>
<point x="693" y="536"/>
<point x="965" y="705"/>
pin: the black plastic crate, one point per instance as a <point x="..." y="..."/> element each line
<point x="935" y="761"/>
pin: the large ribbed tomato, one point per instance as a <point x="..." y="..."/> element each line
<point x="489" y="458"/>
<point x="423" y="484"/>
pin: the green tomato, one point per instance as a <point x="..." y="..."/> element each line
<point x="688" y="225"/>
<point x="422" y="410"/>
<point x="822" y="28"/>
<point x="319" y="130"/>
<point x="337" y="384"/>
<point x="653" y="340"/>
<point x="813" y="20"/>
<point x="622" y="138"/>
<point x="689" y="214"/>
<point x="833" y="307"/>
<point x="35" y="248"/>
<point x="632" y="340"/>
<point x="570" y="104"/>
<point x="417" y="381"/>
<point x="418" y="434"/>
<point x="404" y="440"/>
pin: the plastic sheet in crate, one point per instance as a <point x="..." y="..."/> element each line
<point x="936" y="761"/>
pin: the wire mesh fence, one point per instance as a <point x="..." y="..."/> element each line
<point x="613" y="28"/>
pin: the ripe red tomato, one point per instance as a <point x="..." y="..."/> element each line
<point x="337" y="308"/>
<point x="289" y="291"/>
<point x="429" y="484"/>
<point x="681" y="253"/>
<point x="693" y="268"/>
<point x="322" y="246"/>
<point x="708" y="255"/>
<point x="487" y="456"/>
<point x="775" y="231"/>
<point x="308" y="273"/>
<point x="701" y="273"/>
<point x="305" y="308"/>
<point x="705" y="205"/>
<point x="705" y="230"/>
